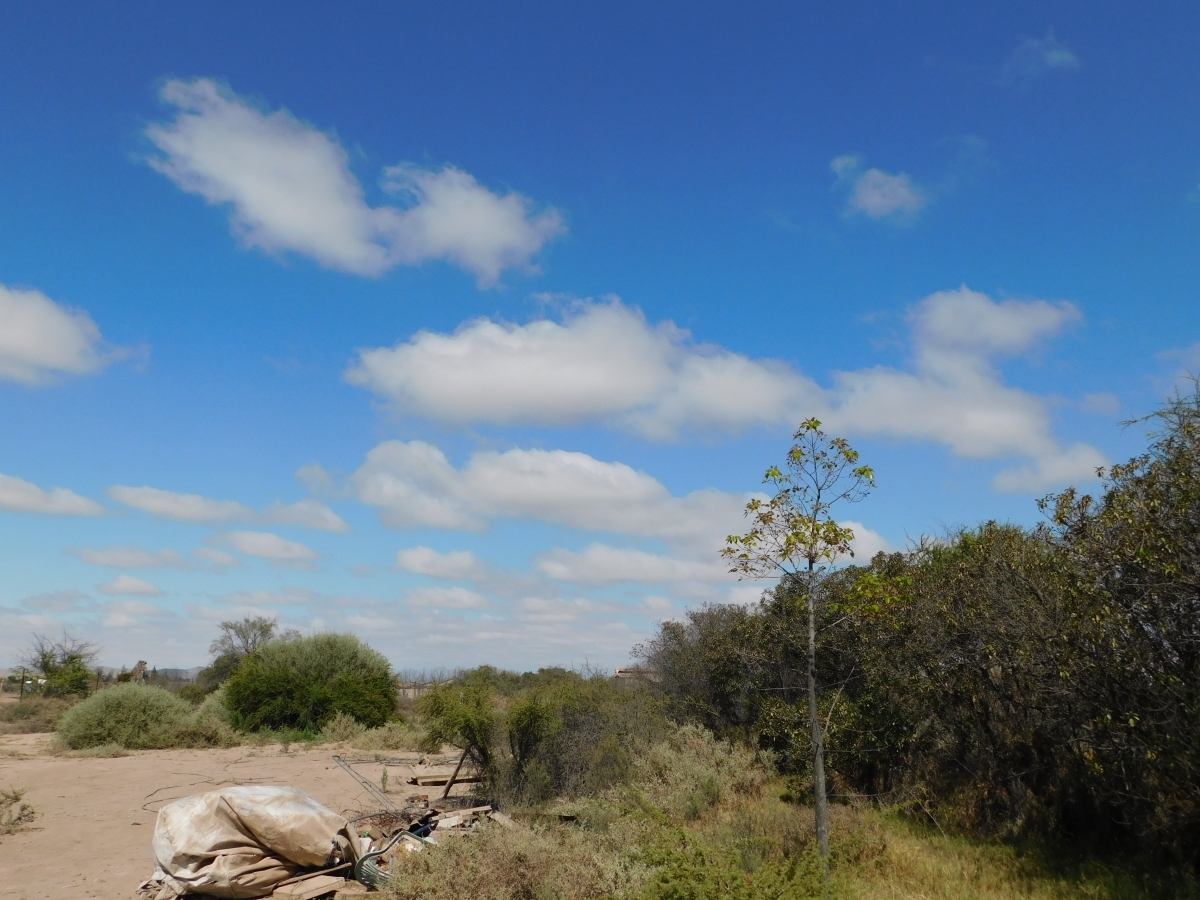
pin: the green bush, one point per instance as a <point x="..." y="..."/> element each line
<point x="136" y="716"/>
<point x="192" y="693"/>
<point x="303" y="682"/>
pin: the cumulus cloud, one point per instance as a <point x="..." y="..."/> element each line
<point x="453" y="566"/>
<point x="41" y="339"/>
<point x="131" y="557"/>
<point x="218" y="559"/>
<point x="271" y="547"/>
<point x="877" y="194"/>
<point x="606" y="362"/>
<point x="131" y="613"/>
<point x="180" y="507"/>
<point x="306" y="514"/>
<point x="446" y="598"/>
<point x="603" y="361"/>
<point x="1037" y="57"/>
<point x="601" y="564"/>
<point x="290" y="188"/>
<point x="415" y="485"/>
<point x="18" y="495"/>
<point x="955" y="396"/>
<point x="206" y="511"/>
<point x="127" y="585"/>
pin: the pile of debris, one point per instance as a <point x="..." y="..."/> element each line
<point x="260" y="841"/>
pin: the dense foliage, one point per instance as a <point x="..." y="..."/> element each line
<point x="1006" y="680"/>
<point x="303" y="682"/>
<point x="542" y="734"/>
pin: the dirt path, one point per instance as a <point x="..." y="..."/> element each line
<point x="91" y="838"/>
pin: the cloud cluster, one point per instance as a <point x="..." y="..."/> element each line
<point x="291" y="189"/>
<point x="200" y="510"/>
<point x="877" y="194"/>
<point x="40" y="339"/>
<point x="605" y="361"/>
<point x="416" y="486"/>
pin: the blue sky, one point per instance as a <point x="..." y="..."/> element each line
<point x="470" y="329"/>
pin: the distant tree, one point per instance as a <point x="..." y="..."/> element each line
<point x="796" y="538"/>
<point x="63" y="663"/>
<point x="237" y="641"/>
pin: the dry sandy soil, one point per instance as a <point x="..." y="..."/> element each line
<point x="91" y="838"/>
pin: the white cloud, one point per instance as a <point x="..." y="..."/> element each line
<point x="306" y="514"/>
<point x="604" y="361"/>
<point x="877" y="194"/>
<point x="180" y="507"/>
<point x="866" y="542"/>
<point x="277" y="550"/>
<point x="1071" y="464"/>
<point x="58" y="601"/>
<point x="445" y="598"/>
<point x="416" y="485"/>
<point x="204" y="510"/>
<point x="601" y="564"/>
<point x="453" y="566"/>
<point x="131" y="613"/>
<point x="290" y="188"/>
<point x="955" y="396"/>
<point x="131" y="557"/>
<point x="40" y="339"/>
<point x="218" y="559"/>
<point x="127" y="585"/>
<point x="1036" y="57"/>
<point x="18" y="495"/>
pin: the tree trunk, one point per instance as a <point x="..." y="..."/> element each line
<point x="821" y="799"/>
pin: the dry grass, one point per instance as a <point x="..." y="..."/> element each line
<point x="392" y="736"/>
<point x="33" y="715"/>
<point x="922" y="864"/>
<point x="496" y="863"/>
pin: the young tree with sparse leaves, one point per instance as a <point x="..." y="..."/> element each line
<point x="795" y="537"/>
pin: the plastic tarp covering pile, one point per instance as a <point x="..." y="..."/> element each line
<point x="242" y="841"/>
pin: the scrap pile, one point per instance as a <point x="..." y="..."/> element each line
<point x="260" y="841"/>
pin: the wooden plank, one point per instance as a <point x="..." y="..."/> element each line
<point x="438" y="780"/>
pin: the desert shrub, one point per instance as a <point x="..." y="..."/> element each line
<point x="15" y="814"/>
<point x="303" y="682"/>
<point x="342" y="728"/>
<point x="192" y="693"/>
<point x="691" y="771"/>
<point x="390" y="736"/>
<point x="136" y="716"/>
<point x="689" y="868"/>
<point x="213" y="709"/>
<point x="33" y="715"/>
<point x="496" y="863"/>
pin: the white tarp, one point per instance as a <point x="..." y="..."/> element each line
<point x="242" y="841"/>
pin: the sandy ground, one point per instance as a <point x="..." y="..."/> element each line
<point x="91" y="838"/>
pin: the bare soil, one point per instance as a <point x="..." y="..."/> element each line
<point x="91" y="838"/>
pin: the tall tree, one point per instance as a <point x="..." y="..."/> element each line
<point x="795" y="537"/>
